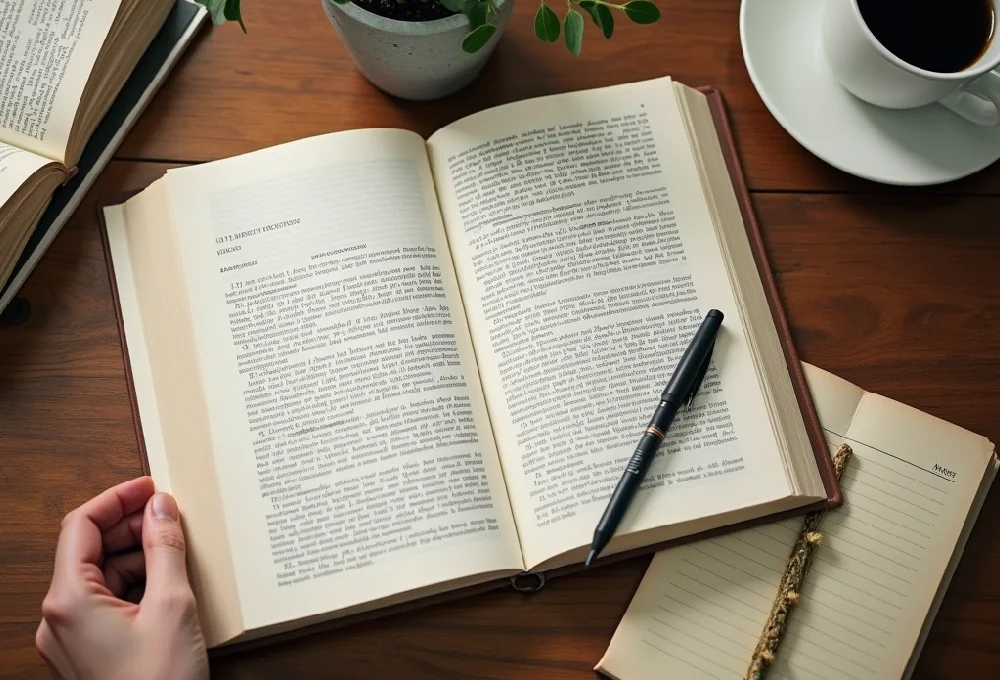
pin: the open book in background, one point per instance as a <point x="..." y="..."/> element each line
<point x="374" y="369"/>
<point x="912" y="492"/>
<point x="176" y="34"/>
<point x="61" y="66"/>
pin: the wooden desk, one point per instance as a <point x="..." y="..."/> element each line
<point x="895" y="290"/>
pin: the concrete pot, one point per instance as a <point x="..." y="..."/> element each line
<point x="413" y="59"/>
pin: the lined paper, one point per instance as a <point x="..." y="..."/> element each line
<point x="908" y="490"/>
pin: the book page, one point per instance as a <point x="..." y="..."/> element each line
<point x="143" y="260"/>
<point x="348" y="426"/>
<point x="587" y="258"/>
<point x="26" y="185"/>
<point x="908" y="489"/>
<point x="16" y="167"/>
<point x="47" y="51"/>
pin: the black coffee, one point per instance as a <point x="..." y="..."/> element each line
<point x="944" y="36"/>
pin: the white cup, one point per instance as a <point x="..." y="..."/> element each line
<point x="871" y="72"/>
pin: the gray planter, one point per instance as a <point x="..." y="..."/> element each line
<point x="413" y="59"/>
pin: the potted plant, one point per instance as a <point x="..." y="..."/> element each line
<point x="425" y="49"/>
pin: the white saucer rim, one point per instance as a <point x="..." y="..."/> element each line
<point x="798" y="137"/>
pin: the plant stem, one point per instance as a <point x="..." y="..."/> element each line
<point x="601" y="2"/>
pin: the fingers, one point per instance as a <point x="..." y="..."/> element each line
<point x="80" y="541"/>
<point x="121" y="572"/>
<point x="164" y="547"/>
<point x="124" y="535"/>
<point x="110" y="507"/>
<point x="50" y="651"/>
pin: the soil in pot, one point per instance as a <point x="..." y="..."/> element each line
<point x="410" y="10"/>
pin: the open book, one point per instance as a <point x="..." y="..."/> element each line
<point x="61" y="66"/>
<point x="912" y="492"/>
<point x="374" y="368"/>
<point x="165" y="50"/>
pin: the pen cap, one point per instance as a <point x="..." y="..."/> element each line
<point x="699" y="350"/>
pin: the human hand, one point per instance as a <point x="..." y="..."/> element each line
<point x="88" y="630"/>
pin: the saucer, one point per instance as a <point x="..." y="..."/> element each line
<point x="916" y="147"/>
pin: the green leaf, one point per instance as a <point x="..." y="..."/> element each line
<point x="476" y="11"/>
<point x="607" y="20"/>
<point x="217" y="8"/>
<point x="479" y="37"/>
<point x="453" y="5"/>
<point x="642" y="11"/>
<point x="573" y="26"/>
<point x="232" y="12"/>
<point x="341" y="2"/>
<point x="546" y="24"/>
<point x="601" y="15"/>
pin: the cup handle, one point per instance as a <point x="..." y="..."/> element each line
<point x="979" y="101"/>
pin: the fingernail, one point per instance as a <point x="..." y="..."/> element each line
<point x="164" y="507"/>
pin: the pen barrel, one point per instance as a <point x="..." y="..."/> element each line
<point x="618" y="504"/>
<point x="644" y="454"/>
<point x="649" y="443"/>
<point x="635" y="472"/>
<point x="638" y="465"/>
<point x="682" y="387"/>
<point x="688" y="368"/>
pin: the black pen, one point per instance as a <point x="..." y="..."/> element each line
<point x="681" y="390"/>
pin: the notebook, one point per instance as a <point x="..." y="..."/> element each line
<point x="375" y="368"/>
<point x="912" y="491"/>
<point x="174" y="36"/>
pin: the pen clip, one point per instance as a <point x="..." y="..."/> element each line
<point x="696" y="385"/>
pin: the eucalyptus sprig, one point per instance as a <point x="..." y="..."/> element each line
<point x="547" y="21"/>
<point x="547" y="24"/>
<point x="483" y="13"/>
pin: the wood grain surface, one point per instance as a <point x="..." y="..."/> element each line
<point x="895" y="290"/>
<point x="290" y="77"/>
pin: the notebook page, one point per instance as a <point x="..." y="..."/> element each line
<point x="908" y="489"/>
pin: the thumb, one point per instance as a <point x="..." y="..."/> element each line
<point x="164" y="549"/>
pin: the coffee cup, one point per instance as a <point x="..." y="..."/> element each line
<point x="909" y="60"/>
